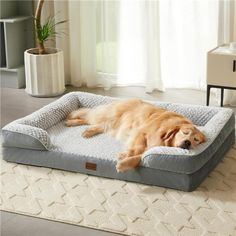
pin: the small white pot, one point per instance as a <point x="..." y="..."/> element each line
<point x="44" y="73"/>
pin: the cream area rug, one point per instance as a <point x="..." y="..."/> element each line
<point x="123" y="207"/>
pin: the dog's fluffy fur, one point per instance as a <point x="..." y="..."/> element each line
<point x="140" y="125"/>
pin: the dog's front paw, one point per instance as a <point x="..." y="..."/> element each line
<point x="122" y="166"/>
<point x="87" y="134"/>
<point x="119" y="167"/>
<point x="122" y="155"/>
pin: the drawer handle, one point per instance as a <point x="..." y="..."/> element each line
<point x="234" y="66"/>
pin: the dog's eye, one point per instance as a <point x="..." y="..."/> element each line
<point x="184" y="132"/>
<point x="196" y="140"/>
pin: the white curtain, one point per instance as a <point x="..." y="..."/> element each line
<point x="112" y="43"/>
<point x="139" y="45"/>
<point x="188" y="31"/>
<point x="227" y="34"/>
<point x="155" y="44"/>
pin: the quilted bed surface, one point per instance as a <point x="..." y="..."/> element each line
<point x="45" y="130"/>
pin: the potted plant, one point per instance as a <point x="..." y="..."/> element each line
<point x="44" y="67"/>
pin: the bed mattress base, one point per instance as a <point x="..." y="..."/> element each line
<point x="144" y="175"/>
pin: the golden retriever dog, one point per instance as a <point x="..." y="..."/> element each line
<point x="140" y="125"/>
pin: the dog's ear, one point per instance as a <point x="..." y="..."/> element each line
<point x="168" y="134"/>
<point x="202" y="136"/>
<point x="162" y="136"/>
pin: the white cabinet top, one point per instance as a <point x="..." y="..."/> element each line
<point x="224" y="49"/>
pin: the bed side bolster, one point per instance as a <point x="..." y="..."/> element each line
<point x="25" y="136"/>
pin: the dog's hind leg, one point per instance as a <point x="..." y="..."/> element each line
<point x="77" y="117"/>
<point x="78" y="114"/>
<point x="93" y="130"/>
<point x="76" y="122"/>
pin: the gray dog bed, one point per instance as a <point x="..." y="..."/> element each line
<point x="42" y="139"/>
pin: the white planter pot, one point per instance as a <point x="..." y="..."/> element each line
<point x="44" y="73"/>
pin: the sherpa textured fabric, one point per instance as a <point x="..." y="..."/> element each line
<point x="44" y="135"/>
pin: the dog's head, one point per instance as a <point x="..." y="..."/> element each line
<point x="184" y="136"/>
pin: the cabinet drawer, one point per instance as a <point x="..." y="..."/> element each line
<point x="221" y="70"/>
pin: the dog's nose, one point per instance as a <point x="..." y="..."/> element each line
<point x="186" y="144"/>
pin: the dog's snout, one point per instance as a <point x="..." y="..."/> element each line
<point x="186" y="144"/>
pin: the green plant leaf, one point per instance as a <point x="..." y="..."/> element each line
<point x="47" y="30"/>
